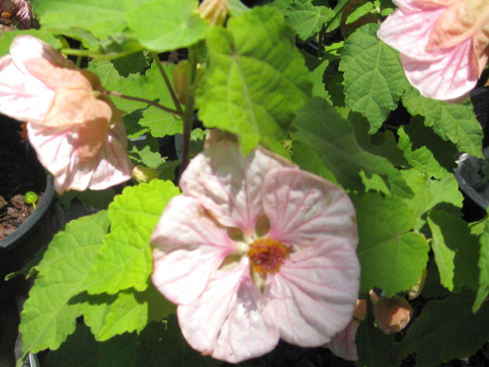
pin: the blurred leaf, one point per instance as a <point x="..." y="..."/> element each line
<point x="167" y="25"/>
<point x="307" y="19"/>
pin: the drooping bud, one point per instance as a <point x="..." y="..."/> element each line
<point x="215" y="11"/>
<point x="392" y="314"/>
<point x="181" y="80"/>
<point x="144" y="174"/>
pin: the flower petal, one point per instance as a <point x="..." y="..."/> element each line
<point x="409" y="33"/>
<point x="343" y="344"/>
<point x="229" y="185"/>
<point x="450" y="78"/>
<point x="315" y="291"/>
<point x="302" y="207"/>
<point x="226" y="322"/>
<point x="22" y="96"/>
<point x="189" y="248"/>
<point x="57" y="149"/>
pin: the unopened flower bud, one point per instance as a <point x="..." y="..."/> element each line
<point x="144" y="174"/>
<point x="181" y="80"/>
<point x="392" y="314"/>
<point x="214" y="11"/>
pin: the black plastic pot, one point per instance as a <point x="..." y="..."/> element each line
<point x="18" y="247"/>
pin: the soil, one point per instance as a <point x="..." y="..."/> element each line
<point x="16" y="178"/>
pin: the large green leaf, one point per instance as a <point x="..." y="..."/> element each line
<point x="391" y="256"/>
<point x="374" y="78"/>
<point x="456" y="251"/>
<point x="452" y="122"/>
<point x="167" y="25"/>
<point x="48" y="317"/>
<point x="322" y="128"/>
<point x="125" y="259"/>
<point x="255" y="79"/>
<point x="447" y="329"/>
<point x="101" y="17"/>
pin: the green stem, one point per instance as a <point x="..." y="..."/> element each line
<point x="189" y="109"/>
<point x="137" y="99"/>
<point x="173" y="95"/>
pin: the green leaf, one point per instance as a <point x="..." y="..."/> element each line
<point x="322" y="128"/>
<point x="125" y="259"/>
<point x="308" y="160"/>
<point x="167" y="25"/>
<point x="306" y="18"/>
<point x="128" y="311"/>
<point x="425" y="150"/>
<point x="158" y="345"/>
<point x="100" y="17"/>
<point x="429" y="193"/>
<point x="79" y="350"/>
<point x="148" y="155"/>
<point x="452" y="122"/>
<point x="456" y="251"/>
<point x="483" y="263"/>
<point x="151" y="87"/>
<point x="391" y="257"/>
<point x="447" y="329"/>
<point x="48" y="317"/>
<point x="255" y="79"/>
<point x="374" y="78"/>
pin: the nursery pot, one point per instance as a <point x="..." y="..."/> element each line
<point x="22" y="244"/>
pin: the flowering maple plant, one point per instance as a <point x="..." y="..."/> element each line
<point x="312" y="198"/>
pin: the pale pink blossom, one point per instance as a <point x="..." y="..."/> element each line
<point x="76" y="130"/>
<point x="256" y="250"/>
<point x="443" y="44"/>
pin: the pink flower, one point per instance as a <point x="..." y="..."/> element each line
<point x="256" y="250"/>
<point x="443" y="44"/>
<point x="76" y="130"/>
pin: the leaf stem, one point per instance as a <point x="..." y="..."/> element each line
<point x="162" y="71"/>
<point x="137" y="99"/>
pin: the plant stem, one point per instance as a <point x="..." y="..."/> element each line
<point x="137" y="99"/>
<point x="336" y="15"/>
<point x="189" y="110"/>
<point x="173" y="95"/>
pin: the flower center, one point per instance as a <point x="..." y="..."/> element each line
<point x="267" y="255"/>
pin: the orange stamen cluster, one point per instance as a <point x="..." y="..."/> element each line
<point x="267" y="255"/>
